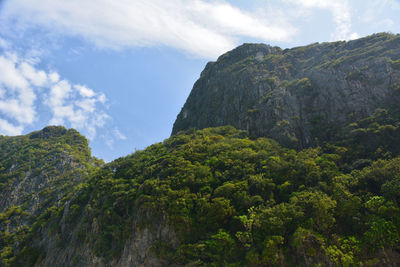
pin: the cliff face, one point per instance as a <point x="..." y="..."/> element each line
<point x="41" y="167"/>
<point x="47" y="178"/>
<point x="296" y="96"/>
<point x="217" y="196"/>
<point x="38" y="173"/>
<point x="65" y="249"/>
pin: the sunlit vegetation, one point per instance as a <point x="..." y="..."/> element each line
<point x="236" y="201"/>
<point x="231" y="199"/>
<point x="39" y="173"/>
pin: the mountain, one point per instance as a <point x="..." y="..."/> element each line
<point x="310" y="177"/>
<point x="41" y="167"/>
<point x="38" y="173"/>
<point x="302" y="96"/>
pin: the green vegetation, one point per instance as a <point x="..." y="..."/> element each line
<point x="39" y="173"/>
<point x="234" y="201"/>
<point x="220" y="196"/>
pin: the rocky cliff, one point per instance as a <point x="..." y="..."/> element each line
<point x="41" y="167"/>
<point x="47" y="178"/>
<point x="297" y="96"/>
<point x="219" y="196"/>
<point x="38" y="172"/>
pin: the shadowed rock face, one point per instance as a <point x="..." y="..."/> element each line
<point x="296" y="96"/>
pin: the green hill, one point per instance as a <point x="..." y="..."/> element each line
<point x="216" y="197"/>
<point x="39" y="172"/>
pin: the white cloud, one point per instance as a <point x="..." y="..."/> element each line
<point x="17" y="97"/>
<point x="87" y="105"/>
<point x="84" y="91"/>
<point x="15" y="109"/>
<point x="119" y="135"/>
<point x="77" y="106"/>
<point x="58" y="93"/>
<point x="102" y="98"/>
<point x="54" y="77"/>
<point x="10" y="76"/>
<point x="9" y="129"/>
<point x="199" y="27"/>
<point x="341" y="15"/>
<point x="37" y="77"/>
<point x="353" y="36"/>
<point x="24" y="89"/>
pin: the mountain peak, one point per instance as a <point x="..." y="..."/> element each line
<point x="49" y="132"/>
<point x="297" y="95"/>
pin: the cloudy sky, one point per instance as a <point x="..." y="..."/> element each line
<point x="119" y="71"/>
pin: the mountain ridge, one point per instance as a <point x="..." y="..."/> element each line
<point x="288" y="94"/>
<point x="323" y="191"/>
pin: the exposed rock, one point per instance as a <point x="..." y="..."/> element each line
<point x="137" y="251"/>
<point x="58" y="208"/>
<point x="41" y="167"/>
<point x="297" y="95"/>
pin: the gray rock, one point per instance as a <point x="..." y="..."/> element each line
<point x="297" y="95"/>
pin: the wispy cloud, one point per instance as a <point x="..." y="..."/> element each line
<point x="201" y="28"/>
<point x="24" y="89"/>
<point x="119" y="135"/>
<point x="375" y="14"/>
<point x="3" y="43"/>
<point x="110" y="138"/>
<point x="341" y="15"/>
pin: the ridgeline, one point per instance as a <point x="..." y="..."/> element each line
<point x="278" y="158"/>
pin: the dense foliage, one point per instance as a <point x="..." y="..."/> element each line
<point x="241" y="202"/>
<point x="221" y="196"/>
<point x="38" y="173"/>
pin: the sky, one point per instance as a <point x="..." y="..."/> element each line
<point x="119" y="71"/>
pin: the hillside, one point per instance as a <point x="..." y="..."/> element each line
<point x="278" y="158"/>
<point x="38" y="173"/>
<point x="215" y="197"/>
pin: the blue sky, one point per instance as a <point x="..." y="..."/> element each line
<point x="119" y="71"/>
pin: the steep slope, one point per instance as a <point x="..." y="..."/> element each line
<point x="221" y="196"/>
<point x="38" y="171"/>
<point x="301" y="96"/>
<point x="216" y="198"/>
